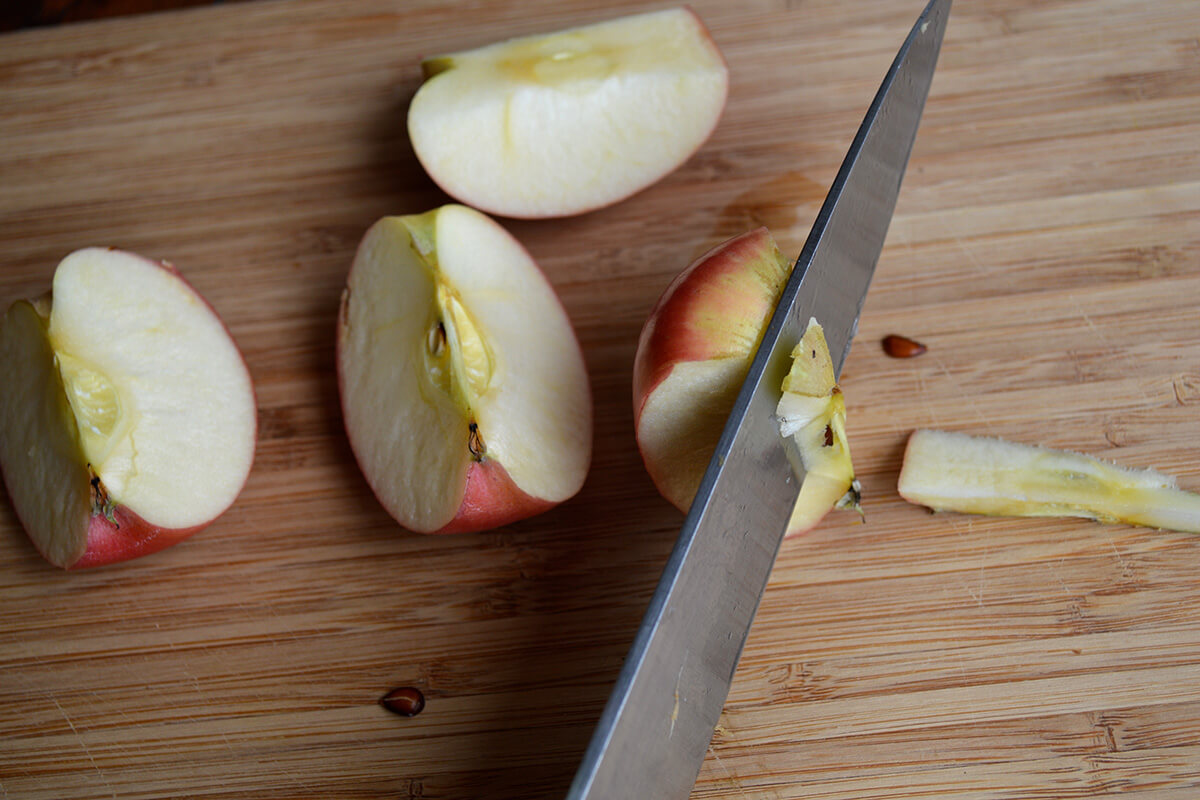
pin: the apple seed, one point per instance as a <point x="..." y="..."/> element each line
<point x="902" y="347"/>
<point x="436" y="342"/>
<point x="407" y="701"/>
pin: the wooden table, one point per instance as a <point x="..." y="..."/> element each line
<point x="1046" y="248"/>
<point x="19" y="14"/>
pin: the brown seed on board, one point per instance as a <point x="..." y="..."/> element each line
<point x="407" y="701"/>
<point x="902" y="347"/>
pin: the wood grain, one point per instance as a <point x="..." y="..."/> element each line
<point x="1046" y="248"/>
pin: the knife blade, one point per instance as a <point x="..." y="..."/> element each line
<point x="655" y="729"/>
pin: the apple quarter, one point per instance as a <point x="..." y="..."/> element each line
<point x="464" y="391"/>
<point x="128" y="414"/>
<point x="567" y="122"/>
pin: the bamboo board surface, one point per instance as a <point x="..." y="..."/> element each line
<point x="1046" y="248"/>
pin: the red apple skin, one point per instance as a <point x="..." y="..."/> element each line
<point x="125" y="537"/>
<point x="716" y="308"/>
<point x="128" y="536"/>
<point x="492" y="500"/>
<point x="701" y="309"/>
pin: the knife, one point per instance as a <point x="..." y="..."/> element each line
<point x="656" y="727"/>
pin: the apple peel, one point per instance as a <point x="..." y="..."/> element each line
<point x="812" y="412"/>
<point x="948" y="471"/>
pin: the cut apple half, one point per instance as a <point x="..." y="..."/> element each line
<point x="128" y="415"/>
<point x="693" y="355"/>
<point x="463" y="386"/>
<point x="948" y="471"/>
<point x="559" y="124"/>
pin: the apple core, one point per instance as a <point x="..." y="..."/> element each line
<point x="558" y="60"/>
<point x="96" y="403"/>
<point x="470" y="362"/>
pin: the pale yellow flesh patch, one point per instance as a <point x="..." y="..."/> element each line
<point x="979" y="475"/>
<point x="561" y="123"/>
<point x="44" y="467"/>
<point x="161" y="397"/>
<point x="812" y="411"/>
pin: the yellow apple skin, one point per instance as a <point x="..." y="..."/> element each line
<point x="694" y="352"/>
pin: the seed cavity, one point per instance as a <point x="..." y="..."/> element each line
<point x="103" y="417"/>
<point x="436" y="341"/>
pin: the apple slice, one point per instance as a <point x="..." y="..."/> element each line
<point x="559" y="124"/>
<point x="463" y="387"/>
<point x="128" y="417"/>
<point x="812" y="411"/>
<point x="692" y="357"/>
<point x="981" y="475"/>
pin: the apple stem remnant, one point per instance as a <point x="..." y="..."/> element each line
<point x="101" y="504"/>
<point x="981" y="475"/>
<point x="475" y="442"/>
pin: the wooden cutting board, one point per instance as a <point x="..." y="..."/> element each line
<point x="1046" y="248"/>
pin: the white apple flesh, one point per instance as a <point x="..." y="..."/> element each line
<point x="560" y="124"/>
<point x="128" y="415"/>
<point x="464" y="391"/>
